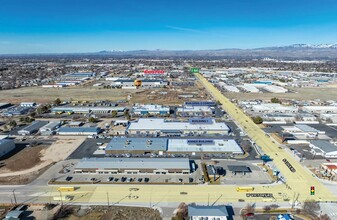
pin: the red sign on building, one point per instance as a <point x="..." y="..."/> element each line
<point x="154" y="72"/>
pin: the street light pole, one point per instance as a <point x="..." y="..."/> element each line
<point x="107" y="196"/>
<point x="14" y="196"/>
<point x="61" y="198"/>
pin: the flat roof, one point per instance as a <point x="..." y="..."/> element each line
<point x="217" y="146"/>
<point x="150" y="107"/>
<point x="219" y="210"/>
<point x="79" y="129"/>
<point x="162" y="124"/>
<point x="134" y="144"/>
<point x="35" y="125"/>
<point x="51" y="125"/>
<point x="193" y="108"/>
<point x="238" y="168"/>
<point x="306" y="128"/>
<point x="5" y="141"/>
<point x="324" y="145"/>
<point x="87" y="109"/>
<point x="134" y="163"/>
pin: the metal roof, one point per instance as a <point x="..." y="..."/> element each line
<point x="5" y="141"/>
<point x="134" y="163"/>
<point x="51" y="125"/>
<point x="219" y="211"/>
<point x="218" y="146"/>
<point x="36" y="125"/>
<point x="162" y="124"/>
<point x="325" y="146"/>
<point x="79" y="129"/>
<point x="134" y="144"/>
<point x="306" y="128"/>
<point x="15" y="214"/>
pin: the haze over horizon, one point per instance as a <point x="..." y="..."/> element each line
<point x="74" y="26"/>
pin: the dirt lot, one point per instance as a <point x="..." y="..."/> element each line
<point x="90" y="93"/>
<point x="24" y="178"/>
<point x="300" y="94"/>
<point x="75" y="93"/>
<point x="114" y="213"/>
<point x="18" y="169"/>
<point x="19" y="160"/>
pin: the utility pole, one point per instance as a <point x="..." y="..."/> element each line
<point x="61" y="199"/>
<point x="14" y="196"/>
<point x="107" y="196"/>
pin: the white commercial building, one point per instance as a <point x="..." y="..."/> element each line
<point x="320" y="109"/>
<point x="162" y="127"/>
<point x="231" y="88"/>
<point x="134" y="166"/>
<point x="249" y="88"/>
<point x="189" y="110"/>
<point x="275" y="89"/>
<point x="323" y="148"/>
<point x="150" y="109"/>
<point x="203" y="146"/>
<point x="302" y="131"/>
<point x="274" y="108"/>
<point x="51" y="126"/>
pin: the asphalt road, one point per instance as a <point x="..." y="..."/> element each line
<point x="298" y="179"/>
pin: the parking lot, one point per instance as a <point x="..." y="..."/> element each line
<point x="256" y="176"/>
<point x="131" y="178"/>
<point x="87" y="148"/>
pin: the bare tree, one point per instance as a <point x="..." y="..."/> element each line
<point x="267" y="208"/>
<point x="311" y="207"/>
<point x="274" y="206"/>
<point x="324" y="217"/>
<point x="248" y="209"/>
<point x="182" y="211"/>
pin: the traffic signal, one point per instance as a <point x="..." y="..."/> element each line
<point x="312" y="190"/>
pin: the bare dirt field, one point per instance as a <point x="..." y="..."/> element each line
<point x="41" y="95"/>
<point x="327" y="93"/>
<point x="24" y="178"/>
<point x="89" y="93"/>
<point x="31" y="161"/>
<point x="113" y="213"/>
<point x="19" y="161"/>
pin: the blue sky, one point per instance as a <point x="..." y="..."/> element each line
<point x="54" y="26"/>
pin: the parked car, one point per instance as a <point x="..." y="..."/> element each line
<point x="68" y="178"/>
<point x="115" y="180"/>
<point x="110" y="179"/>
<point x="146" y="180"/>
<point x="140" y="179"/>
<point x="123" y="179"/>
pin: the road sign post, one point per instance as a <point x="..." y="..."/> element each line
<point x="195" y="70"/>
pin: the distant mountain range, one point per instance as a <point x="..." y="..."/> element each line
<point x="295" y="51"/>
<point x="291" y="52"/>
